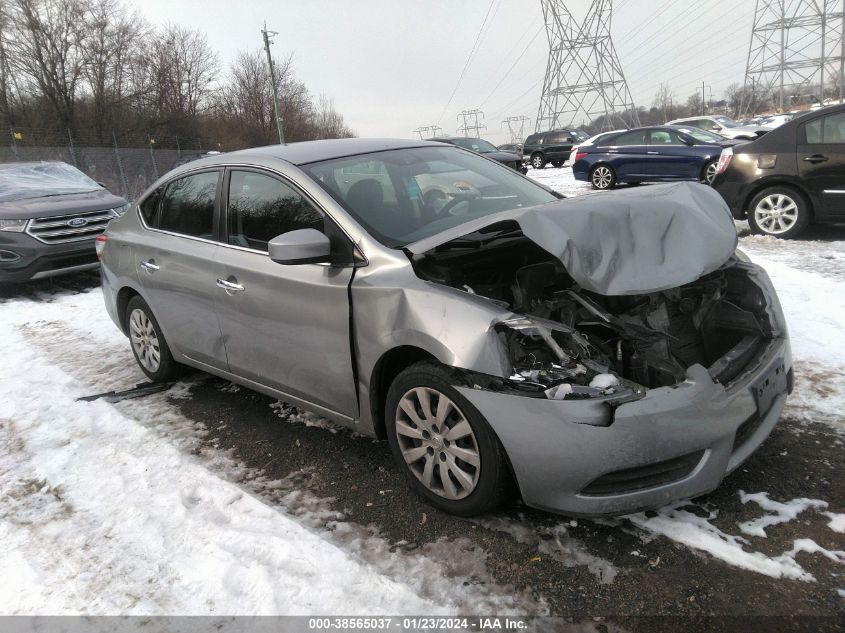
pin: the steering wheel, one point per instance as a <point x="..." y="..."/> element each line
<point x="456" y="198"/>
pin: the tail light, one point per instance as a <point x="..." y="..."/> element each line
<point x="580" y="155"/>
<point x="99" y="245"/>
<point x="724" y="160"/>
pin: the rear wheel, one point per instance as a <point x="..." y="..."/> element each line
<point x="443" y="444"/>
<point x="709" y="172"/>
<point x="538" y="161"/>
<point x="779" y="211"/>
<point x="557" y="163"/>
<point x="603" y="177"/>
<point x="148" y="345"/>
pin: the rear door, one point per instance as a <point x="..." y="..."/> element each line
<point x="175" y="260"/>
<point x="628" y="154"/>
<point x="285" y="326"/>
<point x="669" y="157"/>
<point x="821" y="162"/>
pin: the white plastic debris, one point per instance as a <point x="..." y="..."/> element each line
<point x="558" y="392"/>
<point x="604" y="381"/>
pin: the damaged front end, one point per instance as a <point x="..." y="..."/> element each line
<point x="568" y="343"/>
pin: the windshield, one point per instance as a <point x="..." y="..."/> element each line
<point x="726" y="121"/>
<point x="401" y="196"/>
<point x="21" y="181"/>
<point x="475" y="144"/>
<point x="702" y="135"/>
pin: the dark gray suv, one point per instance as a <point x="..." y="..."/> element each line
<point x="50" y="215"/>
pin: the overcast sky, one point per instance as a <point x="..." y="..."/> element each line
<point x="391" y="65"/>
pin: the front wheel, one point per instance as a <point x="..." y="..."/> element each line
<point x="603" y="177"/>
<point x="779" y="212"/>
<point x="538" y="161"/>
<point x="148" y="345"/>
<point x="443" y="444"/>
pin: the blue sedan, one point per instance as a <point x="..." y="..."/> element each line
<point x="650" y="154"/>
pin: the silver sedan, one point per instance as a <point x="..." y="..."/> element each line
<point x="596" y="356"/>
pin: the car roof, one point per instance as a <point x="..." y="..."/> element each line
<point x="313" y="151"/>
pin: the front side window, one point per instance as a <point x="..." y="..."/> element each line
<point x="188" y="205"/>
<point x="829" y="129"/>
<point x="262" y="207"/>
<point x="419" y="192"/>
<point x="664" y="137"/>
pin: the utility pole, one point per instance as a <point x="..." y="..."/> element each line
<point x="470" y="122"/>
<point x="703" y="100"/>
<point x="516" y="127"/>
<point x="267" y="41"/>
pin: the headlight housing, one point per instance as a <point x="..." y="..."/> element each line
<point x="15" y="226"/>
<point x="119" y="211"/>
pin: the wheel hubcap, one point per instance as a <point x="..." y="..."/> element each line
<point x="538" y="162"/>
<point x="601" y="177"/>
<point x="437" y="443"/>
<point x="776" y="213"/>
<point x="710" y="174"/>
<point x="144" y="340"/>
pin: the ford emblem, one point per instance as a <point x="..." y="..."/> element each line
<point x="77" y="222"/>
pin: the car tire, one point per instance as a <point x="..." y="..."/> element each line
<point x="557" y="163"/>
<point x="538" y="161"/>
<point x="426" y="454"/>
<point x="708" y="172"/>
<point x="603" y="177"/>
<point x="148" y="345"/>
<point x="780" y="212"/>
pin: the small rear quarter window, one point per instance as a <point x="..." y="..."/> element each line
<point x="149" y="207"/>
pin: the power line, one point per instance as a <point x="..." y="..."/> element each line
<point x="516" y="61"/>
<point x="466" y="65"/>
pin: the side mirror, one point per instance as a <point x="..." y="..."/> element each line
<point x="303" y="246"/>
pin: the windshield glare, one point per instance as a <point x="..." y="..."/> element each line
<point x="38" y="180"/>
<point x="726" y="121"/>
<point x="402" y="196"/>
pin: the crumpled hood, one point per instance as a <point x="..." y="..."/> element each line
<point x="631" y="241"/>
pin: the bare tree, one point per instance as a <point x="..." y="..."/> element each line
<point x="328" y="121"/>
<point x="664" y="101"/>
<point x="45" y="47"/>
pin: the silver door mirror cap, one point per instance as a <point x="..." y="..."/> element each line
<point x="303" y="246"/>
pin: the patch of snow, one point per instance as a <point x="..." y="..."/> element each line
<point x="837" y="521"/>
<point x="783" y="512"/>
<point x="293" y="415"/>
<point x="699" y="533"/>
<point x="554" y="542"/>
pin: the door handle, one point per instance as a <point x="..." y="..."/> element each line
<point x="652" y="152"/>
<point x="229" y="286"/>
<point x="150" y="266"/>
<point x="815" y="158"/>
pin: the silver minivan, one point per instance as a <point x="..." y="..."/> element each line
<point x="604" y="354"/>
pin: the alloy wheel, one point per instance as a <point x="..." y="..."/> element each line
<point x="144" y="340"/>
<point x="710" y="173"/>
<point x="438" y="443"/>
<point x="776" y="213"/>
<point x="537" y="162"/>
<point x="602" y="177"/>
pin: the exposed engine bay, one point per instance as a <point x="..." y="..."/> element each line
<point x="569" y="343"/>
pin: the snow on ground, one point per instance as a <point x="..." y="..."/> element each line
<point x="104" y="509"/>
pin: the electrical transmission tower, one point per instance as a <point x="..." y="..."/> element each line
<point x="584" y="79"/>
<point x="796" y="53"/>
<point x="470" y="122"/>
<point x="429" y="131"/>
<point x="516" y="127"/>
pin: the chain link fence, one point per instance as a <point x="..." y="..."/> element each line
<point x="126" y="166"/>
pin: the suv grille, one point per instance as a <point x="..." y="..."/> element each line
<point x="70" y="228"/>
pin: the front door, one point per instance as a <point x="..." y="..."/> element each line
<point x="284" y="326"/>
<point x="821" y="162"/>
<point x="669" y="157"/>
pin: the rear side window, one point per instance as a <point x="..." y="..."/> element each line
<point x="631" y="138"/>
<point x="149" y="207"/>
<point x="262" y="207"/>
<point x="829" y="129"/>
<point x="188" y="205"/>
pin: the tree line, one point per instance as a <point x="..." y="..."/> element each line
<point x="91" y="67"/>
